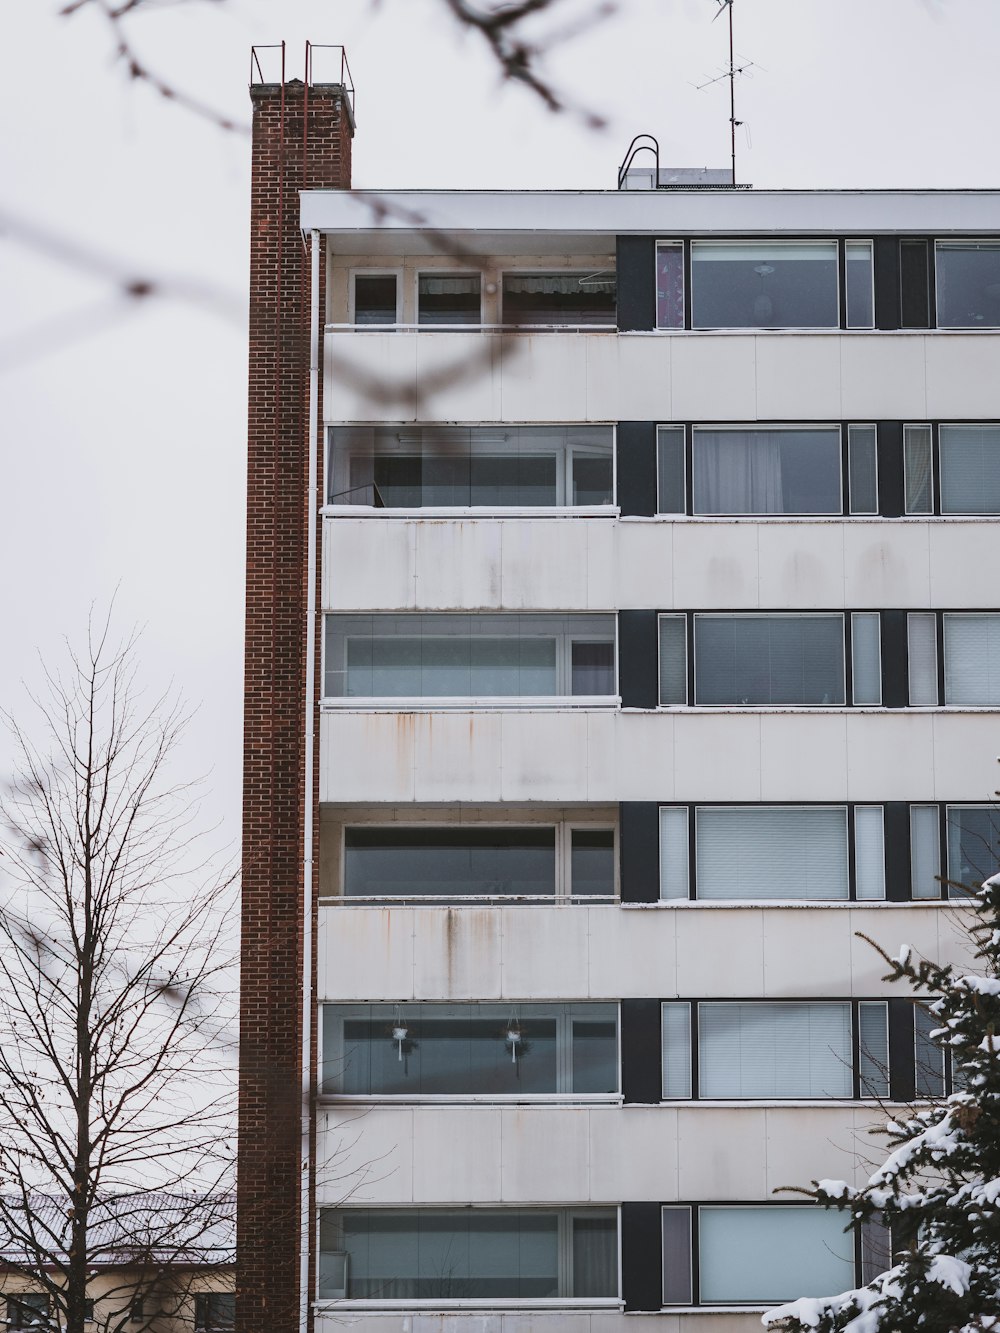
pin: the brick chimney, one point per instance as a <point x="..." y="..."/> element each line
<point x="301" y="140"/>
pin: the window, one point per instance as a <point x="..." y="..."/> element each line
<point x="970" y="469"/>
<point x="763" y="284"/>
<point x="421" y="656"/>
<point x="522" y="467"/>
<point x="918" y="471"/>
<point x="761" y="659"/>
<point x="967" y="281"/>
<point x="561" y="298"/>
<point x="376" y="298"/>
<point x="928" y="1056"/>
<point x="28" y="1309"/>
<point x="860" y="283"/>
<point x="971" y="659"/>
<point x="759" y="852"/>
<point x="214" y="1310"/>
<point x="773" y="470"/>
<point x="670" y="285"/>
<point x="767" y="1050"/>
<point x="489" y="861"/>
<point x="449" y="298"/>
<point x="754" y="1254"/>
<point x="862" y="469"/>
<point x="973" y="845"/>
<point x="461" y="1050"/>
<point x="472" y="1254"/>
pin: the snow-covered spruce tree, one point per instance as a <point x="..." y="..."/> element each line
<point x="939" y="1189"/>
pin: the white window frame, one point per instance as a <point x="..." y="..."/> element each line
<point x="665" y="243"/>
<point x="683" y="617"/>
<point x="681" y="426"/>
<point x="920" y="513"/>
<point x="721" y="427"/>
<point x="862" y="513"/>
<point x="869" y="242"/>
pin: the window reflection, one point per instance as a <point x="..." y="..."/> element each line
<point x="762" y="285"/>
<point x="968" y="284"/>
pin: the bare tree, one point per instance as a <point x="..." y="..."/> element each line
<point x="115" y="995"/>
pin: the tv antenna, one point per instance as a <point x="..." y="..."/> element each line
<point x="726" y="7"/>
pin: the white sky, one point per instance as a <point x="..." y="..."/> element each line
<point x="123" y="449"/>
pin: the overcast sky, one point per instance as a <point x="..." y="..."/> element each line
<point x="124" y="423"/>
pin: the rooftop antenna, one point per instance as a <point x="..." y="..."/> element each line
<point x="726" y="7"/>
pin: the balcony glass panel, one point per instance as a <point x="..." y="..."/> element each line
<point x="502" y="656"/>
<point x="458" y="1050"/>
<point x="763" y="285"/>
<point x="416" y="862"/>
<point x="491" y="467"/>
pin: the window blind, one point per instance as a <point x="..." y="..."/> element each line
<point x="670" y="470"/>
<point x="917" y="469"/>
<point x="677" y="1268"/>
<point x="673" y="660"/>
<point x="928" y="1055"/>
<point x="674" y="852"/>
<point x="873" y="1043"/>
<point x="869" y="852"/>
<point x="769" y="659"/>
<point x="675" y="1036"/>
<point x="972" y="659"/>
<point x="772" y="852"/>
<point x="862" y="469"/>
<point x="921" y="647"/>
<point x="765" y="1050"/>
<point x="970" y="469"/>
<point x="866" y="657"/>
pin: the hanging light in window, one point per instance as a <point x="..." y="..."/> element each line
<point x="400" y="1032"/>
<point x="763" y="306"/>
<point x="514" y="1040"/>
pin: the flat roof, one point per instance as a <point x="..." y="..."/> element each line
<point x="597" y="216"/>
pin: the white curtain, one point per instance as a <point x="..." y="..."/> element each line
<point x="737" y="472"/>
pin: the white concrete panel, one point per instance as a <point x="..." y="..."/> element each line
<point x="963" y="564"/>
<point x="798" y="377"/>
<point x="457" y="564"/>
<point x="890" y="756"/>
<point x="633" y="1153"/>
<point x="891" y="927"/>
<point x="368" y="565"/>
<point x="966" y="746"/>
<point x="717" y="756"/>
<point x="602" y="757"/>
<point x="886" y="564"/>
<point x="544" y="564"/>
<point x="602" y="540"/>
<point x="457" y="1154"/>
<point x="645" y="752"/>
<point x="800" y="565"/>
<point x="818" y="1143"/>
<point x="370" y="376"/>
<point x="456" y="756"/>
<point x="631" y="953"/>
<point x="544" y="376"/>
<point x="545" y="1153"/>
<point x="644" y="561"/>
<point x="713" y="378"/>
<point x="962" y="378"/>
<point x="721" y="1152"/>
<point x="715" y="565"/>
<point x="365" y="953"/>
<point x="364" y="1155"/>
<point x="543" y="756"/>
<point x="545" y="952"/>
<point x="882" y="376"/>
<point x="629" y="377"/>
<point x="366" y="756"/>
<point x="720" y="953"/>
<point x="458" y="376"/>
<point x="803" y="756"/>
<point x="807" y="953"/>
<point x="456" y="953"/>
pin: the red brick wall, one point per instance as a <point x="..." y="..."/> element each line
<point x="301" y="138"/>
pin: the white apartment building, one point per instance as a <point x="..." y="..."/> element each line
<point x="660" y="660"/>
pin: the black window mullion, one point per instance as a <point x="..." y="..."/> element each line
<point x="902" y="1060"/>
<point x="939" y="638"/>
<point x="931" y="285"/>
<point x="886" y="262"/>
<point x="889" y="446"/>
<point x="935" y="468"/>
<point x="642" y="1256"/>
<point x="856" y="1048"/>
<point x="689" y="468"/>
<point x="639" y="851"/>
<point x="642" y="1080"/>
<point x="690" y="658"/>
<point x="852" y="870"/>
<point x="892" y="638"/>
<point x="638" y="659"/>
<point x="896" y="816"/>
<point x="848" y="659"/>
<point x="692" y="853"/>
<point x="695" y="1074"/>
<point x="636" y="282"/>
<point x="846" y="499"/>
<point x="635" y="447"/>
<point x="687" y="284"/>
<point x="842" y="282"/>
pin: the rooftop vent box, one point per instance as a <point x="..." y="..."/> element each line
<point x="678" y="178"/>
